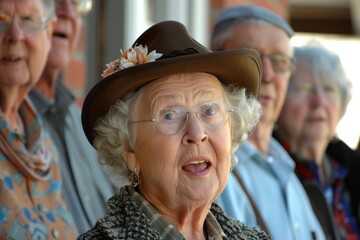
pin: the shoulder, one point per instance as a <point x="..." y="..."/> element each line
<point x="122" y="221"/>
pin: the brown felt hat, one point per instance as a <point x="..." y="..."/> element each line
<point x="181" y="54"/>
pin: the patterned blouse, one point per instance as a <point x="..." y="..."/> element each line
<point x="31" y="202"/>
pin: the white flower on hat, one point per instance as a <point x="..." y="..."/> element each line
<point x="131" y="57"/>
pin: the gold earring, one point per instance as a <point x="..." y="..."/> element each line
<point x="134" y="179"/>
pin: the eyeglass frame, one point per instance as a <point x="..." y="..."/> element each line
<point x="272" y="57"/>
<point x="184" y="122"/>
<point x="19" y="20"/>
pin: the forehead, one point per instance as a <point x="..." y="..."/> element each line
<point x="178" y="87"/>
<point x="20" y="6"/>
<point x="305" y="71"/>
<point x="263" y="37"/>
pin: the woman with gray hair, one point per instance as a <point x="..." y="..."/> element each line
<point x="31" y="200"/>
<point x="317" y="97"/>
<point x="167" y="116"/>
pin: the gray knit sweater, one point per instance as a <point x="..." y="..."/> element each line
<point x="124" y="221"/>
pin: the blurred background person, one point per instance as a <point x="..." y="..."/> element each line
<point x="169" y="114"/>
<point x="86" y="188"/>
<point x="31" y="202"/>
<point x="317" y="97"/>
<point x="263" y="188"/>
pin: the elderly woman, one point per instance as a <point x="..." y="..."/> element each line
<point x="317" y="98"/>
<point x="31" y="203"/>
<point x="170" y="120"/>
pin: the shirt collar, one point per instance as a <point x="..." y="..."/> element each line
<point x="167" y="230"/>
<point x="63" y="98"/>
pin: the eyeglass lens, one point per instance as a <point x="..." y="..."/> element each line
<point x="26" y="23"/>
<point x="279" y="62"/>
<point x="173" y="119"/>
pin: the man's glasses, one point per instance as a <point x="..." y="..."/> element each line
<point x="172" y="120"/>
<point x="29" y="23"/>
<point x="81" y="6"/>
<point x="280" y="63"/>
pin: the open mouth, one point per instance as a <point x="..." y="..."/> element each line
<point x="59" y="35"/>
<point x="196" y="166"/>
<point x="10" y="59"/>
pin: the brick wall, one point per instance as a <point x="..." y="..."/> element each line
<point x="75" y="72"/>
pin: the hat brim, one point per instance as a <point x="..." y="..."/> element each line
<point x="240" y="67"/>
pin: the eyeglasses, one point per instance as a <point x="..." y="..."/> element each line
<point x="82" y="6"/>
<point x="29" y="23"/>
<point x="172" y="120"/>
<point x="280" y="63"/>
<point x="304" y="90"/>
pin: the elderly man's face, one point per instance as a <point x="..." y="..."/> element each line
<point x="268" y="40"/>
<point x="24" y="47"/>
<point x="190" y="167"/>
<point x="66" y="34"/>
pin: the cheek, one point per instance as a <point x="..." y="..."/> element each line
<point x="40" y="50"/>
<point x="292" y="115"/>
<point x="76" y="37"/>
<point x="281" y="87"/>
<point x="334" y="110"/>
<point x="221" y="144"/>
<point x="156" y="161"/>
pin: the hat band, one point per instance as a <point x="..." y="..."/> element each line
<point x="176" y="53"/>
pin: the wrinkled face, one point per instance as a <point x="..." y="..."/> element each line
<point x="192" y="165"/>
<point x="312" y="108"/>
<point x="66" y="34"/>
<point x="23" y="52"/>
<point x="268" y="40"/>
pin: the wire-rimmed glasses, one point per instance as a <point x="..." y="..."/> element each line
<point x="30" y="23"/>
<point x="280" y="63"/>
<point x="172" y="120"/>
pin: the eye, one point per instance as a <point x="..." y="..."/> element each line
<point x="280" y="61"/>
<point x="5" y="18"/>
<point x="171" y="114"/>
<point x="329" y="88"/>
<point x="209" y="110"/>
<point x="32" y="23"/>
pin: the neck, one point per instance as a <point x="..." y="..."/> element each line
<point x="47" y="83"/>
<point x="260" y="138"/>
<point x="191" y="225"/>
<point x="312" y="150"/>
<point x="10" y="101"/>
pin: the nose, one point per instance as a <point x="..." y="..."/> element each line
<point x="65" y="8"/>
<point x="318" y="97"/>
<point x="195" y="130"/>
<point x="14" y="33"/>
<point x="268" y="71"/>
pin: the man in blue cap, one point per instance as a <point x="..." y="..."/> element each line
<point x="263" y="188"/>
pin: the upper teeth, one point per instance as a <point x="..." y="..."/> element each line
<point x="196" y="162"/>
<point x="10" y="58"/>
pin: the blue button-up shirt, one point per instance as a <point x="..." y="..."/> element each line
<point x="276" y="191"/>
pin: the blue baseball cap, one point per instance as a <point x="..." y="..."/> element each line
<point x="254" y="12"/>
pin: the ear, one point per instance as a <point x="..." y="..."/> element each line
<point x="131" y="161"/>
<point x="50" y="27"/>
<point x="49" y="32"/>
